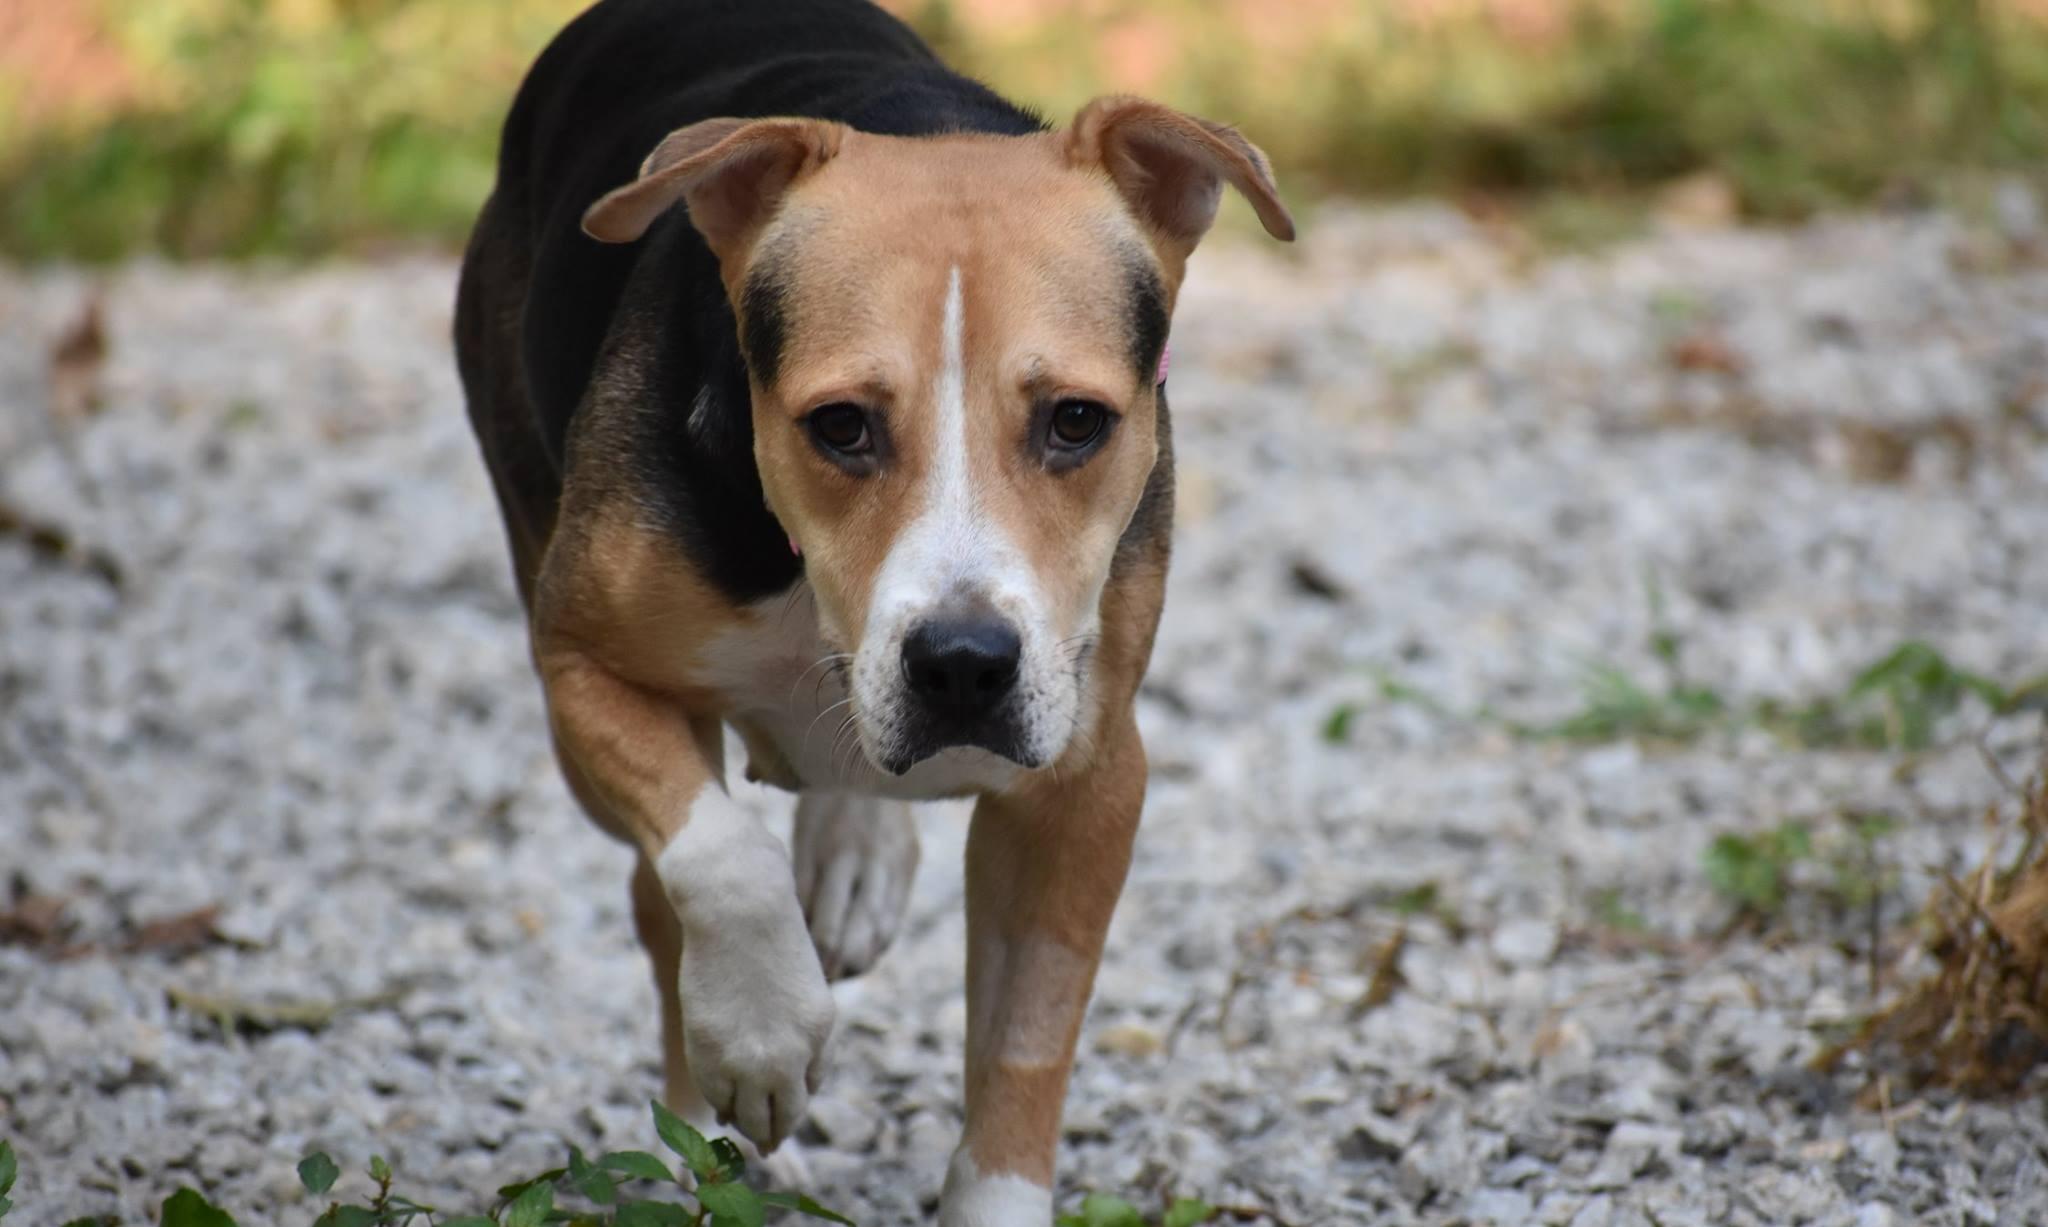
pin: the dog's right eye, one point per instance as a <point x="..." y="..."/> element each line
<point x="842" y="428"/>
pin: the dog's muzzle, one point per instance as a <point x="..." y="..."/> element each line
<point x="960" y="669"/>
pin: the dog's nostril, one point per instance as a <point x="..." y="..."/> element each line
<point x="962" y="667"/>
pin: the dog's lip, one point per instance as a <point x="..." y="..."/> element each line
<point x="901" y="764"/>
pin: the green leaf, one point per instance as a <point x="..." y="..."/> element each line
<point x="1337" y="728"/>
<point x="636" y="1163"/>
<point x="731" y="1163"/>
<point x="8" y="1167"/>
<point x="591" y="1181"/>
<point x="1103" y="1210"/>
<point x="186" y="1208"/>
<point x="511" y="1192"/>
<point x="678" y="1136"/>
<point x="731" y="1205"/>
<point x="1186" y="1212"/>
<point x="650" y="1214"/>
<point x="380" y="1171"/>
<point x="318" y="1172"/>
<point x="347" y="1216"/>
<point x="530" y="1208"/>
<point x="804" y="1205"/>
<point x="468" y="1220"/>
<point x="94" y="1220"/>
<point x="5" y="1206"/>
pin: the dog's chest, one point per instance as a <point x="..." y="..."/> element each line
<point x="785" y="693"/>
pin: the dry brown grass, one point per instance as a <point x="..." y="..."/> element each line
<point x="1979" y="1023"/>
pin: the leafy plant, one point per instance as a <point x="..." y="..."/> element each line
<point x="1105" y="1210"/>
<point x="1755" y="871"/>
<point x="712" y="1175"/>
<point x="1898" y="702"/>
<point x="246" y="128"/>
<point x="1850" y="871"/>
<point x="1616" y="707"/>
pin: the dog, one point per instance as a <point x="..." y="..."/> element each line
<point x="822" y="391"/>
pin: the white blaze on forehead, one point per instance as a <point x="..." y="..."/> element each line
<point x="949" y="462"/>
<point x="950" y="545"/>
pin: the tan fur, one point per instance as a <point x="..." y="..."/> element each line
<point x="866" y="233"/>
<point x="870" y="241"/>
<point x="616" y="618"/>
<point x="1043" y="865"/>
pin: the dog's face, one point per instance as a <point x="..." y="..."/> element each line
<point x="954" y="343"/>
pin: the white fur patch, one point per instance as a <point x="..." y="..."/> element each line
<point x="954" y="548"/>
<point x="971" y="1199"/>
<point x="775" y="671"/>
<point x="855" y="860"/>
<point x="756" y="1011"/>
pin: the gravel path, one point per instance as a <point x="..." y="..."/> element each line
<point x="1415" y="451"/>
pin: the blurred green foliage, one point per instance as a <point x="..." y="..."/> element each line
<point x="262" y="126"/>
<point x="301" y="126"/>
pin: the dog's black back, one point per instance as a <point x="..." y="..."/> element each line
<point x="615" y="82"/>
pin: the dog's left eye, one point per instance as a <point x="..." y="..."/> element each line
<point x="1076" y="424"/>
<point x="843" y="428"/>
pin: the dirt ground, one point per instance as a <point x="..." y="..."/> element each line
<point x="259" y="652"/>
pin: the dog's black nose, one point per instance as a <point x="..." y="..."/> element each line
<point x="961" y="668"/>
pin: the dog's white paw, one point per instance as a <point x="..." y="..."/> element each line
<point x="756" y="1015"/>
<point x="855" y="860"/>
<point x="756" y="1009"/>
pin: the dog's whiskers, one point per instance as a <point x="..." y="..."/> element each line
<point x="828" y="662"/>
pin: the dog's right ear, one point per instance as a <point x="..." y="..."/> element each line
<point x="730" y="172"/>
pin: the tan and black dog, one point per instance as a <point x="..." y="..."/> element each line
<point x="823" y="394"/>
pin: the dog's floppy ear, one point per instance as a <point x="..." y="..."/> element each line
<point x="1171" y="167"/>
<point x="730" y="172"/>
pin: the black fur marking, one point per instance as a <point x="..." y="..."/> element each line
<point x="1149" y="536"/>
<point x="1148" y="319"/>
<point x="764" y="321"/>
<point x="649" y="320"/>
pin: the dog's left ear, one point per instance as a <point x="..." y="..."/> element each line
<point x="731" y="173"/>
<point x="1170" y="167"/>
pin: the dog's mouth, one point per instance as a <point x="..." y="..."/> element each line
<point x="922" y="738"/>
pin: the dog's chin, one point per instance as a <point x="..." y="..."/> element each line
<point x="918" y="748"/>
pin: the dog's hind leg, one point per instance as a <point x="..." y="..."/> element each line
<point x="855" y="858"/>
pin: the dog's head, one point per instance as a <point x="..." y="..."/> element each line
<point x="954" y="345"/>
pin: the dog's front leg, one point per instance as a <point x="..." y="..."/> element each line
<point x="755" y="1008"/>
<point x="1044" y="868"/>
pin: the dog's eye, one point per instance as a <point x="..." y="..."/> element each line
<point x="843" y="428"/>
<point x="1077" y="423"/>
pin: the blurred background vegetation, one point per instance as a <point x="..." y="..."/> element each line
<point x="239" y="127"/>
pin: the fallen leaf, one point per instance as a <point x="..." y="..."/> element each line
<point x="180" y="934"/>
<point x="1704" y="200"/>
<point x="1130" y="1040"/>
<point x="75" y="362"/>
<point x="34" y="921"/>
<point x="1386" y="975"/>
<point x="1705" y="351"/>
